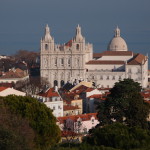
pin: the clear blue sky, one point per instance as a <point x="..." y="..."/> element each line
<point x="22" y="22"/>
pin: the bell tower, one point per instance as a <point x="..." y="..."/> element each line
<point x="78" y="40"/>
<point x="47" y="42"/>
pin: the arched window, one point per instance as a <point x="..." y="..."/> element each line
<point x="77" y="46"/>
<point x="55" y="83"/>
<point x="62" y="83"/>
<point x="46" y="46"/>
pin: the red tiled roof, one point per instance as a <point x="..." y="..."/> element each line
<point x="113" y="53"/>
<point x="137" y="60"/>
<point x="3" y="88"/>
<point x="69" y="107"/>
<point x="68" y="101"/>
<point x="49" y="93"/>
<point x="89" y="89"/>
<point x="95" y="96"/>
<point x="80" y="89"/>
<point x="16" y="73"/>
<point x="84" y="117"/>
<point x="6" y="85"/>
<point x="97" y="55"/>
<point x="105" y="62"/>
<point x="69" y="96"/>
<point x="146" y="94"/>
<point x="69" y="43"/>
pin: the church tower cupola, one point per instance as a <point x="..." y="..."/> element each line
<point x="47" y="42"/>
<point x="47" y="37"/>
<point x="78" y="34"/>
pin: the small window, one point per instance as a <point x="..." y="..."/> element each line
<point x="107" y="78"/>
<point x="77" y="46"/>
<point x="56" y="62"/>
<point x="69" y="62"/>
<point x="62" y="61"/>
<point x="53" y="107"/>
<point x="46" y="46"/>
<point x="113" y="78"/>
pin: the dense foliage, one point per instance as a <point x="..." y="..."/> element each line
<point x="120" y="136"/>
<point x="40" y="119"/>
<point x="15" y="132"/>
<point x="125" y="105"/>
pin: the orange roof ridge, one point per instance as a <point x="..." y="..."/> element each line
<point x="106" y="62"/>
<point x="2" y="88"/>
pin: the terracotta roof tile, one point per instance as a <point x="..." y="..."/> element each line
<point x="84" y="117"/>
<point x="113" y="53"/>
<point x="69" y="43"/>
<point x="3" y="88"/>
<point x="16" y="73"/>
<point x="6" y="85"/>
<point x="137" y="60"/>
<point x="67" y="107"/>
<point x="80" y="89"/>
<point x="95" y="96"/>
<point x="49" y="93"/>
<point x="89" y="89"/>
<point x="106" y="62"/>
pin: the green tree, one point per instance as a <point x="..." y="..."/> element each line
<point x="40" y="117"/>
<point x="124" y="104"/>
<point x="119" y="136"/>
<point x="15" y="132"/>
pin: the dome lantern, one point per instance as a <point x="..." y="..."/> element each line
<point x="117" y="43"/>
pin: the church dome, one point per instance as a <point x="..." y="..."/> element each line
<point x="117" y="43"/>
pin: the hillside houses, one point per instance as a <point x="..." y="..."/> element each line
<point x="14" y="75"/>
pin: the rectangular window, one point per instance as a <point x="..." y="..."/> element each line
<point x="69" y="62"/>
<point x="55" y="61"/>
<point x="62" y="61"/>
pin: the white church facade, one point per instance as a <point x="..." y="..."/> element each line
<point x="76" y="61"/>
